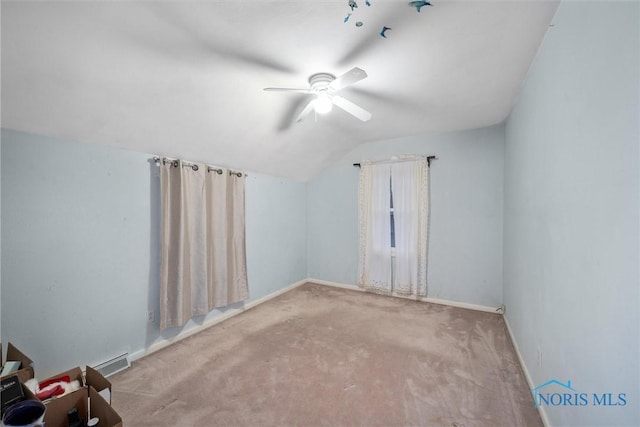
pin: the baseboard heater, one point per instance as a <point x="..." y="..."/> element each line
<point x="113" y="366"/>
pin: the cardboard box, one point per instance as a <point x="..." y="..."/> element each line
<point x="89" y="400"/>
<point x="57" y="408"/>
<point x="99" y="382"/>
<point x="89" y="404"/>
<point x="103" y="410"/>
<point x="90" y="378"/>
<point x="26" y="372"/>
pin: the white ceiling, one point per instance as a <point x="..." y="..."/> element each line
<point x="185" y="78"/>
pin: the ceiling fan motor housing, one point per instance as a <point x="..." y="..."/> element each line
<point x="321" y="81"/>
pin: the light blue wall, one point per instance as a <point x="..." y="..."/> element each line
<point x="465" y="241"/>
<point x="1" y="355"/>
<point x="571" y="210"/>
<point x="276" y="233"/>
<point x="80" y="248"/>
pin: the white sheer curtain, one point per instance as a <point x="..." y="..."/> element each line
<point x="375" y="227"/>
<point x="410" y="188"/>
<point x="402" y="269"/>
<point x="203" y="261"/>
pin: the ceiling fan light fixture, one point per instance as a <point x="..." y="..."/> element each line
<point x="324" y="87"/>
<point x="323" y="103"/>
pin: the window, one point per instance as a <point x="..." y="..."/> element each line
<point x="393" y="207"/>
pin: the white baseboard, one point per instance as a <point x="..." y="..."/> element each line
<point x="423" y="299"/>
<point x="541" y="410"/>
<point x="334" y="284"/>
<point x="159" y="345"/>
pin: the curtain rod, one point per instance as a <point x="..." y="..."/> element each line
<point x="429" y="158"/>
<point x="193" y="166"/>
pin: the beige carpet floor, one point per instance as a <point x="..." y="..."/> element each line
<point x="322" y="356"/>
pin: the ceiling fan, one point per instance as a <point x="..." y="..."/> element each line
<point x="325" y="86"/>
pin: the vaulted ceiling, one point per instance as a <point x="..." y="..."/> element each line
<point x="185" y="78"/>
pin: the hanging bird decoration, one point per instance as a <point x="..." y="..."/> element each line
<point x="353" y="4"/>
<point x="419" y="4"/>
<point x="383" y="32"/>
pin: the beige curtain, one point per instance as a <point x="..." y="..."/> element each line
<point x="203" y="257"/>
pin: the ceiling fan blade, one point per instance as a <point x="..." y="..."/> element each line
<point x="351" y="108"/>
<point x="347" y="79"/>
<point x="305" y="112"/>
<point x="291" y="111"/>
<point x="286" y="89"/>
